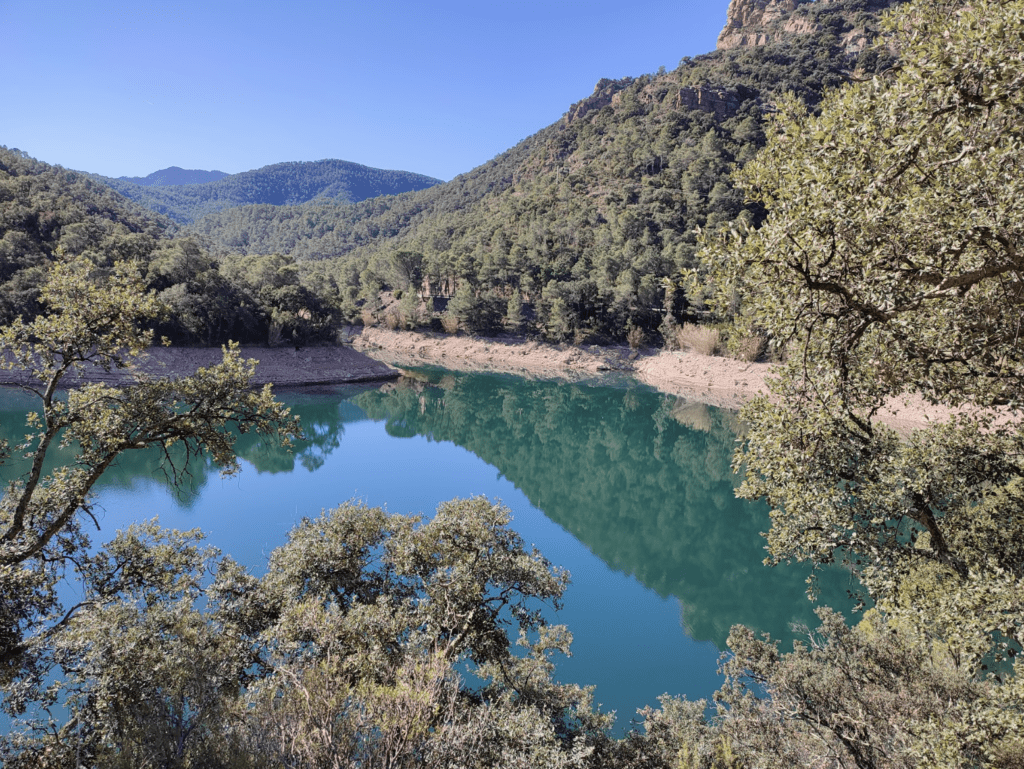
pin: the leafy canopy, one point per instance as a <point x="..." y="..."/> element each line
<point x="890" y="266"/>
<point x="99" y="319"/>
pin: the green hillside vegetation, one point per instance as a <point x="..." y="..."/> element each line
<point x="571" y="233"/>
<point x="278" y="184"/>
<point x="50" y="214"/>
<point x="46" y="210"/>
<point x="579" y="232"/>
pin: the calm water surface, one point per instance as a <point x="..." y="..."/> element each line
<point x="628" y="489"/>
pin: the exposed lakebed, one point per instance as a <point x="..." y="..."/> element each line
<point x="629" y="489"/>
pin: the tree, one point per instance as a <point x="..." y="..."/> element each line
<point x="373" y="619"/>
<point x="351" y="650"/>
<point x="890" y="266"/>
<point x="97" y="319"/>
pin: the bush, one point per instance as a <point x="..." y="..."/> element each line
<point x="699" y="339"/>
<point x="635" y="337"/>
<point x="450" y="323"/>
<point x="748" y="348"/>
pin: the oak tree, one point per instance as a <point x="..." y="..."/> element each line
<point x="97" y="320"/>
<point x="891" y="266"/>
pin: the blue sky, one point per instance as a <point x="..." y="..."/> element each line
<point x="127" y="88"/>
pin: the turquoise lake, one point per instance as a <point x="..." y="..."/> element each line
<point x="629" y="489"/>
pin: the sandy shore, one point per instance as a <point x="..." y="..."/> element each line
<point x="377" y="354"/>
<point x="280" y="366"/>
<point x="715" y="381"/>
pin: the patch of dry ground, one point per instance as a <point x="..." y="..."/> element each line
<point x="715" y="381"/>
<point x="280" y="366"/>
<point x="376" y="354"/>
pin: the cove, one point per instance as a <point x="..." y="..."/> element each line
<point x="629" y="489"/>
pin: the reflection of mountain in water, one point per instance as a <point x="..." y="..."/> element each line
<point x="641" y="478"/>
<point x="323" y="415"/>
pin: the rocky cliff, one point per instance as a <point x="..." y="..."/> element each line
<point x="760" y="22"/>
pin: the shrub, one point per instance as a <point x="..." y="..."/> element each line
<point x="748" y="348"/>
<point x="450" y="323"/>
<point x="635" y="337"/>
<point x="699" y="339"/>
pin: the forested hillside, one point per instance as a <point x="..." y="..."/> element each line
<point x="571" y="232"/>
<point x="580" y="231"/>
<point x="48" y="214"/>
<point x="278" y="184"/>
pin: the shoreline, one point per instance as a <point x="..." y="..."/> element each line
<point x="279" y="366"/>
<point x="377" y="355"/>
<point x="711" y="380"/>
<point x="722" y="382"/>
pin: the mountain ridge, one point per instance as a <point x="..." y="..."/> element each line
<point x="287" y="183"/>
<point x="173" y="175"/>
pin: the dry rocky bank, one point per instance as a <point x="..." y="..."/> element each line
<point x="376" y="354"/>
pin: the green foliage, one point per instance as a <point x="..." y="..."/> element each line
<point x="347" y="652"/>
<point x="96" y="318"/>
<point x="278" y="184"/>
<point x="888" y="267"/>
<point x="581" y="220"/>
<point x="584" y="218"/>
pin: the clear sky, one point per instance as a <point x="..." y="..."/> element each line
<point x="128" y="88"/>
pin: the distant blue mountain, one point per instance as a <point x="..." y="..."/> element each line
<point x="174" y="175"/>
<point x="186" y="196"/>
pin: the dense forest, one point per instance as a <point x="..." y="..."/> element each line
<point x="172" y="176"/>
<point x="280" y="184"/>
<point x="50" y="214"/>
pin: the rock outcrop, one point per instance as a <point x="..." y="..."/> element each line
<point x="750" y="23"/>
<point x="603" y="94"/>
<point x="720" y="102"/>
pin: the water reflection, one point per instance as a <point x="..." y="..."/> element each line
<point x="642" y="479"/>
<point x="323" y="414"/>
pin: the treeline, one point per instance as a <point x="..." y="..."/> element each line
<point x="278" y="184"/>
<point x="174" y="175"/>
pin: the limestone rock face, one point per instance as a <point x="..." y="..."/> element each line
<point x="746" y="21"/>
<point x="604" y="92"/>
<point x="759" y="22"/>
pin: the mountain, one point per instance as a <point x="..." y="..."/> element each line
<point x="48" y="213"/>
<point x="278" y="184"/>
<point x="172" y="176"/>
<point x="574" y="230"/>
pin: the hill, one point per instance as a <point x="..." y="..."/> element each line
<point x="572" y="232"/>
<point x="278" y="184"/>
<point x="45" y="210"/>
<point x="49" y="213"/>
<point x="174" y="175"/>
